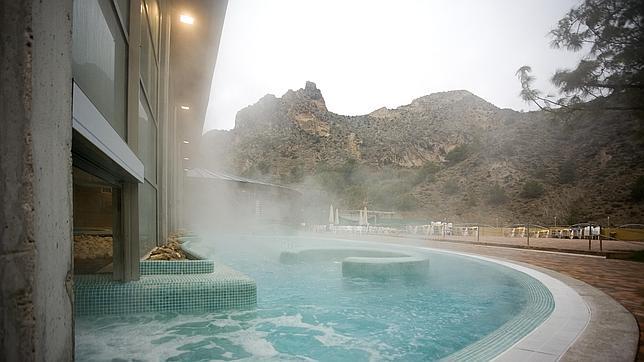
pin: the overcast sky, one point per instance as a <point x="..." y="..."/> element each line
<point x="367" y="54"/>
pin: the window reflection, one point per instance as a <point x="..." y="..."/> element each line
<point x="99" y="53"/>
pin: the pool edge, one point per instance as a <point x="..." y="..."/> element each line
<point x="556" y="340"/>
<point x="609" y="333"/>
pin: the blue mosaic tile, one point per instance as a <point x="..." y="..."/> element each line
<point x="153" y="267"/>
<point x="538" y="308"/>
<point x="222" y="289"/>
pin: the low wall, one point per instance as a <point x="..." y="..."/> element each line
<point x="364" y="262"/>
<point x="177" y="286"/>
<point x="385" y="267"/>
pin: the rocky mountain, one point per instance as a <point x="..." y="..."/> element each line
<point x="445" y="155"/>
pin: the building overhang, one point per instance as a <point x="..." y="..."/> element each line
<point x="101" y="144"/>
<point x="193" y="54"/>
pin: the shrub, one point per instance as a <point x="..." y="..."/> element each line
<point x="497" y="195"/>
<point x="567" y="172"/>
<point x="450" y="187"/>
<point x="637" y="190"/>
<point x="407" y="203"/>
<point x="427" y="172"/>
<point x="355" y="195"/>
<point x="540" y="172"/>
<point x="263" y="167"/>
<point x="470" y="198"/>
<point x="532" y="190"/>
<point x="507" y="149"/>
<point x="296" y="174"/>
<point x="457" y="154"/>
<point x="391" y="194"/>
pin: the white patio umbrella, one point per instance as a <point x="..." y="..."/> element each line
<point x="337" y="216"/>
<point x="331" y="218"/>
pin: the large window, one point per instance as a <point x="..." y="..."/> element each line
<point x="147" y="140"/>
<point x="148" y="125"/>
<point x="147" y="217"/>
<point x="149" y="62"/>
<point x="103" y="76"/>
<point x="152" y="8"/>
<point x="123" y="8"/>
<point x="94" y="215"/>
<point x="99" y="51"/>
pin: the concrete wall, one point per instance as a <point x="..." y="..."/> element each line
<point x="36" y="320"/>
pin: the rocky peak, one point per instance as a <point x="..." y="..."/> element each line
<point x="310" y="94"/>
<point x="304" y="108"/>
<point x="255" y="113"/>
<point x="312" y="91"/>
<point x="382" y="112"/>
<point x="449" y="98"/>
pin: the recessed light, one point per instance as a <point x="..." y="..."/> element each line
<point x="186" y="19"/>
<point x="186" y="142"/>
<point x="185" y="108"/>
<point x="186" y="158"/>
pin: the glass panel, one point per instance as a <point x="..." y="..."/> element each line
<point x="124" y="10"/>
<point x="94" y="213"/>
<point x="149" y="70"/>
<point x="152" y="7"/>
<point x="147" y="218"/>
<point x="99" y="55"/>
<point x="147" y="140"/>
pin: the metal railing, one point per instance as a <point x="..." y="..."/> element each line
<point x="586" y="236"/>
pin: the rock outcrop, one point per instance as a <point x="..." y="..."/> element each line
<point x="474" y="143"/>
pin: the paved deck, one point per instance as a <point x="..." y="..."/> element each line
<point x="622" y="280"/>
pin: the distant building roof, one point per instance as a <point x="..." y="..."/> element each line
<point x="209" y="174"/>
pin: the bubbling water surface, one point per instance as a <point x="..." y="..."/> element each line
<point x="308" y="311"/>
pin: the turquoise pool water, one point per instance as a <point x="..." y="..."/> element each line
<point x="308" y="311"/>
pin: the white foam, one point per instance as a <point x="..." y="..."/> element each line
<point x="255" y="344"/>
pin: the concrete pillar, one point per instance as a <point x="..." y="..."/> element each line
<point x="36" y="319"/>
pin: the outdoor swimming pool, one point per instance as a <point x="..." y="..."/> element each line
<point x="309" y="311"/>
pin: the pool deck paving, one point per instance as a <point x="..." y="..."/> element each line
<point x="621" y="279"/>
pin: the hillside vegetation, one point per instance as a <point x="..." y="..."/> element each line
<point x="445" y="155"/>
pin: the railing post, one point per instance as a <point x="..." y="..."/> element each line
<point x="527" y="230"/>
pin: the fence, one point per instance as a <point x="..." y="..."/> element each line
<point x="576" y="237"/>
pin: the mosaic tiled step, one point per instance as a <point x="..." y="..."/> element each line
<point x="154" y="267"/>
<point x="223" y="289"/>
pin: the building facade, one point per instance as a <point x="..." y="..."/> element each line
<point x="102" y="108"/>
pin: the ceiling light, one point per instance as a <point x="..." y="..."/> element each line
<point x="185" y="108"/>
<point x="185" y="169"/>
<point x="186" y="142"/>
<point x="186" y="19"/>
<point x="186" y="158"/>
